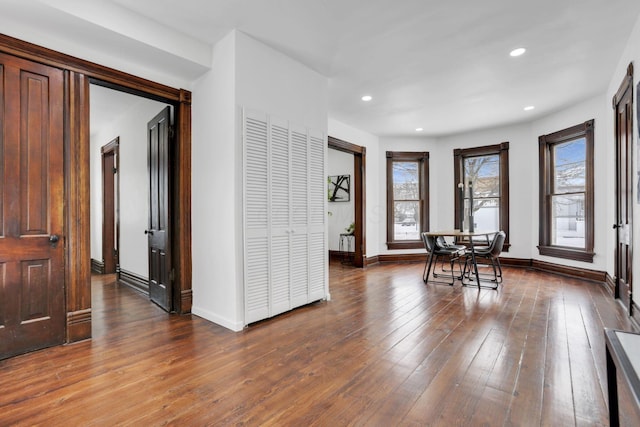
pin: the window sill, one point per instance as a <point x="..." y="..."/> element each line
<point x="566" y="253"/>
<point x="409" y="244"/>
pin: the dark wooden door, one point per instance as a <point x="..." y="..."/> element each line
<point x="32" y="312"/>
<point x="623" y="105"/>
<point x="110" y="206"/>
<point x="159" y="231"/>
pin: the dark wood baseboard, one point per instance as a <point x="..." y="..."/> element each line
<point x="78" y="325"/>
<point x="186" y="299"/>
<point x="401" y="258"/>
<point x="582" y="273"/>
<point x="97" y="266"/>
<point x="368" y="261"/>
<point x="610" y="284"/>
<point x="135" y="281"/>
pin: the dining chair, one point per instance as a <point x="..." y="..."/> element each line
<point x="436" y="251"/>
<point x="491" y="254"/>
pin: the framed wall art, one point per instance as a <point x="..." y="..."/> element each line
<point x="339" y="188"/>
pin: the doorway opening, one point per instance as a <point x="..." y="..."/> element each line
<point x="357" y="190"/>
<point x="122" y="192"/>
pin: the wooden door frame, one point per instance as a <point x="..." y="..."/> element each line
<point x="625" y="87"/>
<point x="113" y="195"/>
<point x="77" y="238"/>
<point x="359" y="176"/>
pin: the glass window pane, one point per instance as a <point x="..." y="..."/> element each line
<point x="570" y="166"/>
<point x="484" y="173"/>
<point x="406" y="181"/>
<point x="406" y="221"/>
<point x="486" y="214"/>
<point x="567" y="222"/>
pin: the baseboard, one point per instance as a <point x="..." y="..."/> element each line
<point x="218" y="320"/>
<point x="97" y="266"/>
<point x="635" y="317"/>
<point x="401" y="258"/>
<point x="368" y="261"/>
<point x="135" y="281"/>
<point x="78" y="325"/>
<point x="610" y="284"/>
<point x="186" y="301"/>
<point x="581" y="273"/>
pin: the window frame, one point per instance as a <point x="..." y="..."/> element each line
<point x="545" y="145"/>
<point x="423" y="168"/>
<point x="502" y="150"/>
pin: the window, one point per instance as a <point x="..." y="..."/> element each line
<point x="487" y="168"/>
<point x="407" y="199"/>
<point x="566" y="193"/>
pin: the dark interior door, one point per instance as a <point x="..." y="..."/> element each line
<point x="623" y="104"/>
<point x="109" y="206"/>
<point x="32" y="314"/>
<point x="159" y="235"/>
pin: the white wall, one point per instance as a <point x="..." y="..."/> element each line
<point x="131" y="127"/>
<point x="342" y="213"/>
<point x="631" y="54"/>
<point x="373" y="209"/>
<point x="245" y="73"/>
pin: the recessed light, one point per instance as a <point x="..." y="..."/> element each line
<point x="419" y="129"/>
<point x="367" y="98"/>
<point x="529" y="108"/>
<point x="517" y="52"/>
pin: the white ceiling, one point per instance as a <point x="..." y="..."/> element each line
<point x="441" y="65"/>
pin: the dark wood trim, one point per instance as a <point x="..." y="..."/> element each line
<point x="515" y="262"/>
<point x="110" y="207"/>
<point x="372" y="260"/>
<point x="108" y="76"/>
<point x="78" y="74"/>
<point x="97" y="266"/>
<point x="181" y="242"/>
<point x="134" y="281"/>
<point x="347" y="147"/>
<point x="78" y="325"/>
<point x="566" y="253"/>
<point x="77" y="214"/>
<point x="582" y="273"/>
<point x="334" y="255"/>
<point x="545" y="143"/>
<point x="423" y="159"/>
<point x="359" y="191"/>
<point x="401" y="258"/>
<point x="502" y="150"/>
<point x="610" y="284"/>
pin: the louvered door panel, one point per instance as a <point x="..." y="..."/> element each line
<point x="256" y="246"/>
<point x="317" y="263"/>
<point x="299" y="270"/>
<point x="299" y="178"/>
<point x="279" y="216"/>
<point x="317" y="183"/>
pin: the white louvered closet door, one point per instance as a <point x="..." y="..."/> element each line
<point x="284" y="216"/>
<point x="256" y="223"/>
<point x="280" y="212"/>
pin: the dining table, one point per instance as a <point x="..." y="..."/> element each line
<point x="465" y="236"/>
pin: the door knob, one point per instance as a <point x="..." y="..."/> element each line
<point x="53" y="240"/>
<point x="150" y="232"/>
<point x="615" y="226"/>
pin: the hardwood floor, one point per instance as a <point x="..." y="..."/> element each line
<point x="386" y="350"/>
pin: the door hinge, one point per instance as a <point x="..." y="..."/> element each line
<point x="115" y="170"/>
<point x="115" y="252"/>
<point x="172" y="275"/>
<point x="172" y="131"/>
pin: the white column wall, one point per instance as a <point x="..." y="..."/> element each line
<point x="245" y="73"/>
